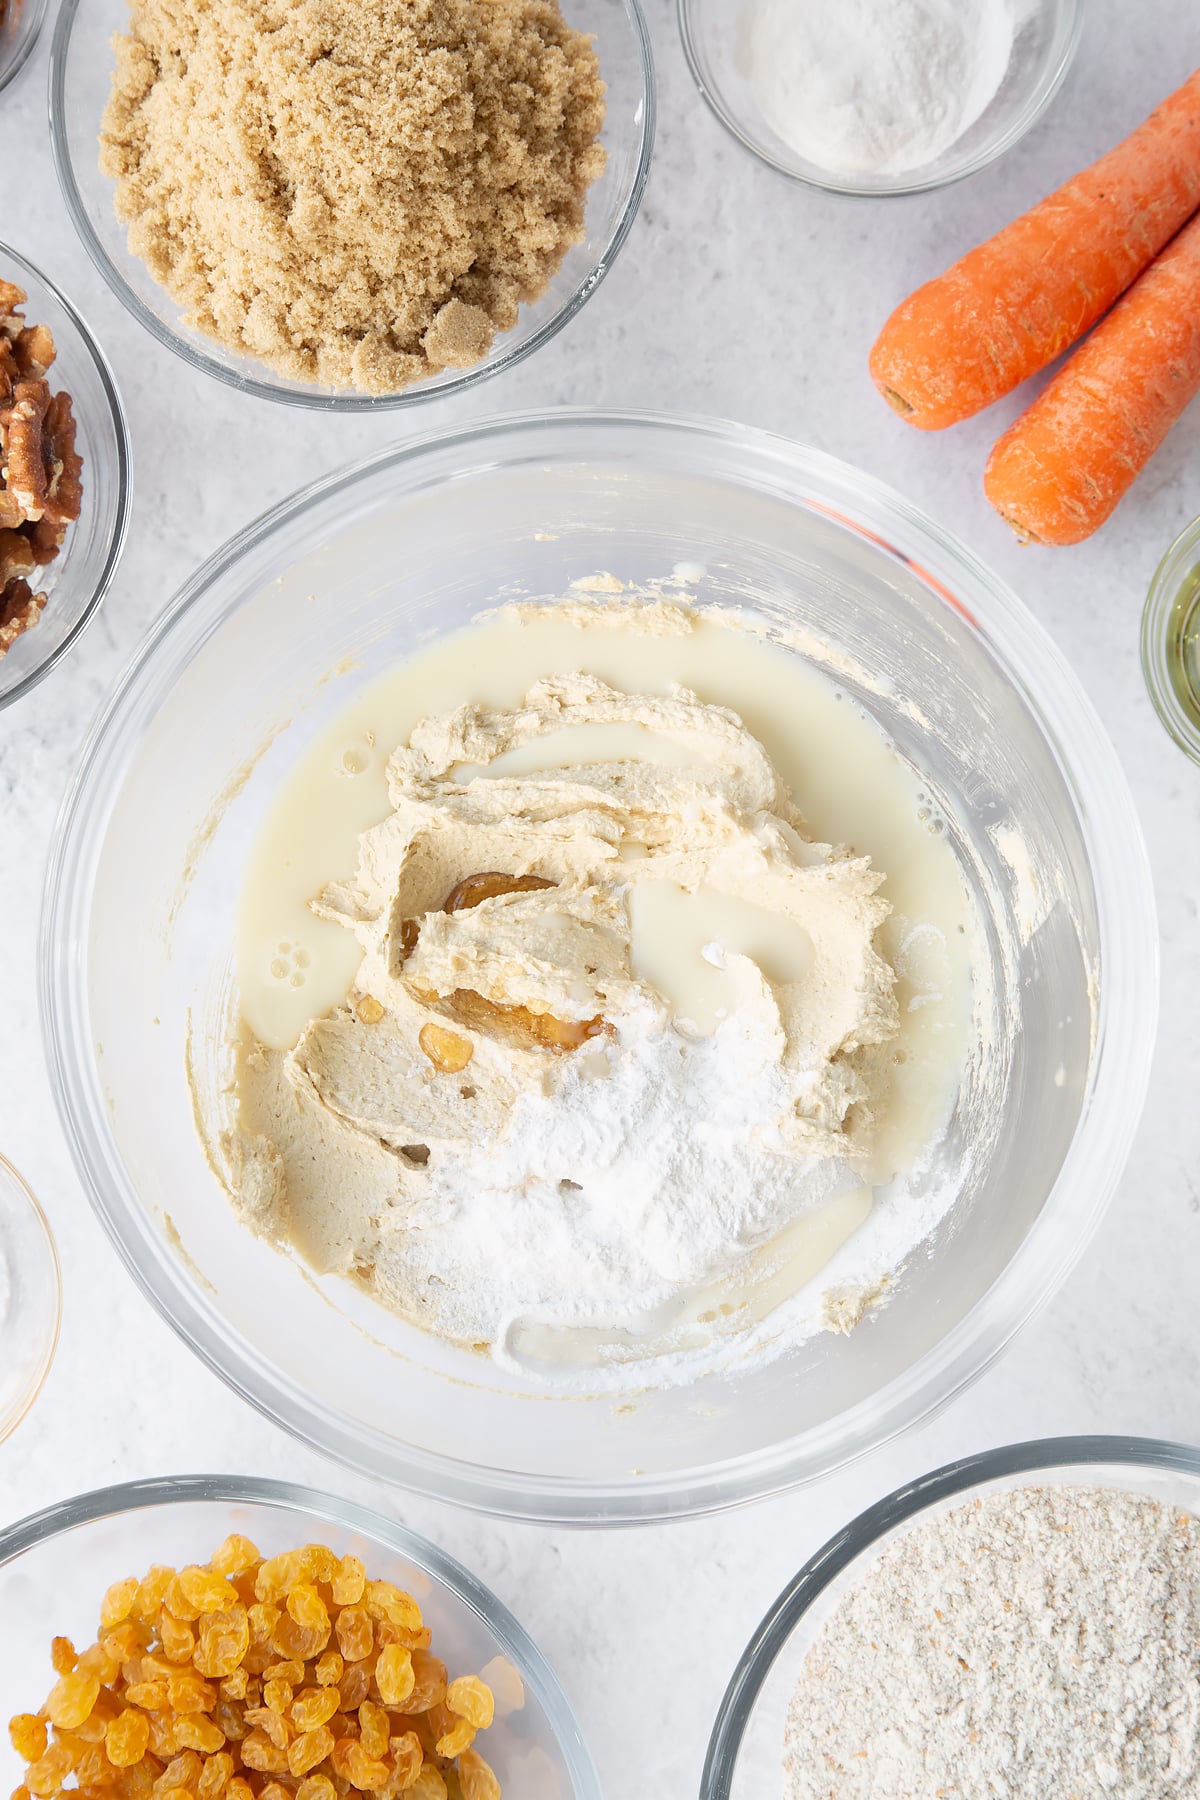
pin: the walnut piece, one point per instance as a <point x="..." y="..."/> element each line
<point x="41" y="490"/>
<point x="20" y="608"/>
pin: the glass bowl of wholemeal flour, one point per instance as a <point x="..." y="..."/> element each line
<point x="879" y="97"/>
<point x="677" y="575"/>
<point x="370" y="222"/>
<point x="1026" y="1621"/>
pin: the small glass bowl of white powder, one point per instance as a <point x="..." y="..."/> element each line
<point x="876" y="97"/>
<point x="1026" y="1621"/>
<point x="30" y="1298"/>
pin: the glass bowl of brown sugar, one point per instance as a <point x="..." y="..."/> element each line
<point x="301" y="268"/>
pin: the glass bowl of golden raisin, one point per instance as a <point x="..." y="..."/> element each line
<point x="217" y="1638"/>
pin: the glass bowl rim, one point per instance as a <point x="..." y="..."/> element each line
<point x="122" y="477"/>
<point x="910" y="182"/>
<point x="1035" y="1456"/>
<point x="1128" y="995"/>
<point x="165" y="1491"/>
<point x="10" y="1174"/>
<point x="38" y="9"/>
<point x="1182" y="556"/>
<point x="270" y="388"/>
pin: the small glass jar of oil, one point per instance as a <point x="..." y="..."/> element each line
<point x="1171" y="640"/>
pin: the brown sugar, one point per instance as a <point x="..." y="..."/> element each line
<point x="357" y="195"/>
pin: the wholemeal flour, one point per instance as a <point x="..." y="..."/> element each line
<point x="1039" y="1642"/>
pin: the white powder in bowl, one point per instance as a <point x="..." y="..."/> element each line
<point x="1039" y="1642"/>
<point x="876" y="86"/>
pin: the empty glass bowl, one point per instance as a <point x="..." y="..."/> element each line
<point x="30" y="1298"/>
<point x="745" y="1752"/>
<point x="1046" y="34"/>
<point x="79" y="577"/>
<point x="81" y="62"/>
<point x="55" y="1567"/>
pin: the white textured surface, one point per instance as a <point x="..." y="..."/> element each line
<point x="737" y="294"/>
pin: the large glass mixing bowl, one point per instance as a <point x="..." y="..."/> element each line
<point x="288" y="622"/>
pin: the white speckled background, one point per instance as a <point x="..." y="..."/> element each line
<point x="737" y="294"/>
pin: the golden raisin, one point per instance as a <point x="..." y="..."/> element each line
<point x="224" y="1640"/>
<point x="127" y="1739"/>
<point x="178" y="1638"/>
<point x="368" y="1011"/>
<point x="125" y="1640"/>
<point x="430" y="1686"/>
<point x="355" y="1633"/>
<point x="472" y="1700"/>
<point x="407" y="1756"/>
<point x="473" y="889"/>
<point x="354" y="1686"/>
<point x="316" y="1787"/>
<point x="349" y="1582"/>
<point x="315" y="1706"/>
<point x="181" y="1771"/>
<point x="292" y="1672"/>
<point x="476" y="1778"/>
<point x="94" y="1769"/>
<point x="277" y="1695"/>
<point x="394" y="1675"/>
<point x="194" y="1731"/>
<point x="239" y="1789"/>
<point x="278" y="1574"/>
<point x="446" y="1050"/>
<point x="151" y="1696"/>
<point x="215" y="1776"/>
<point x="234" y="1685"/>
<point x="187" y="1693"/>
<point x="263" y="1617"/>
<point x="62" y="1655"/>
<point x="234" y="1556"/>
<point x="28" y="1734"/>
<point x="429" y="1784"/>
<point x="298" y="1642"/>
<point x="374" y="1729"/>
<point x="274" y="1790"/>
<point x="118" y="1602"/>
<point x="361" y="1770"/>
<point x="459" y="1738"/>
<point x="151" y="1589"/>
<point x="48" y="1773"/>
<point x="258" y="1752"/>
<point x="309" y="1749"/>
<point x="71" y="1699"/>
<point x="307" y="1608"/>
<point x="329" y="1668"/>
<point x="384" y="1601"/>
<point x="264" y="1718"/>
<point x="207" y="1592"/>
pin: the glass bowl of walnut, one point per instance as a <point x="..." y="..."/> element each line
<point x="235" y="1639"/>
<point x="64" y="475"/>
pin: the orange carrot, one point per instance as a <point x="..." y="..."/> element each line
<point x="1061" y="469"/>
<point x="1013" y="304"/>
